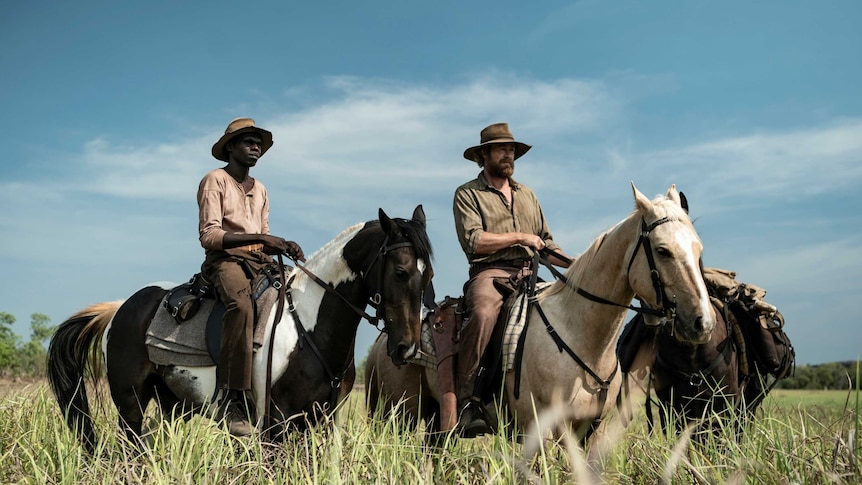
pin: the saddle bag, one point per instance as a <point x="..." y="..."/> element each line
<point x="183" y="301"/>
<point x="762" y="325"/>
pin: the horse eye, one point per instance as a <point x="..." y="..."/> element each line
<point x="400" y="274"/>
<point x="663" y="252"/>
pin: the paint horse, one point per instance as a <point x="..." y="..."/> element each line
<point x="569" y="346"/>
<point x="304" y="357"/>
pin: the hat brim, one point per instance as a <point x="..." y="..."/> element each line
<point x="218" y="149"/>
<point x="520" y="148"/>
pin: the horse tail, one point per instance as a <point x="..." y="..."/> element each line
<point x="74" y="355"/>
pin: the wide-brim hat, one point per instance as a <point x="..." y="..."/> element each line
<point x="236" y="128"/>
<point x="496" y="133"/>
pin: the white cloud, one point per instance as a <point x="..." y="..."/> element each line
<point x="800" y="163"/>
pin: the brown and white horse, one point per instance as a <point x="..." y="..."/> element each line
<point x="569" y="349"/>
<point x="387" y="260"/>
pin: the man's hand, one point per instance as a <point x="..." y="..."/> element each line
<point x="277" y="245"/>
<point x="294" y="251"/>
<point x="532" y="241"/>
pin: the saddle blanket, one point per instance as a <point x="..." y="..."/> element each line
<point x="514" y="327"/>
<point x="170" y="343"/>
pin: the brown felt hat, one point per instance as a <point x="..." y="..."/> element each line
<point x="238" y="127"/>
<point x="497" y="133"/>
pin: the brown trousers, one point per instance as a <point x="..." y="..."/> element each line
<point x="231" y="272"/>
<point x="484" y="302"/>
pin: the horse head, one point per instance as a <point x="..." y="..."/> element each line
<point x="404" y="273"/>
<point x="665" y="270"/>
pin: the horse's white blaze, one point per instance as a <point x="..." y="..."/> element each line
<point x="687" y="240"/>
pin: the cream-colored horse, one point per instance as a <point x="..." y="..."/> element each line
<point x="569" y="357"/>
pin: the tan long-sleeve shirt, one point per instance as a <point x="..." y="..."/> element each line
<point x="224" y="207"/>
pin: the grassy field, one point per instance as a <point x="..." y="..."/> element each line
<point x="797" y="437"/>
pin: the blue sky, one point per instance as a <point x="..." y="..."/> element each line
<point x="751" y="108"/>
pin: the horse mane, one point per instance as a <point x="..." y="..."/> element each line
<point x="415" y="232"/>
<point x="338" y="240"/>
<point x="575" y="272"/>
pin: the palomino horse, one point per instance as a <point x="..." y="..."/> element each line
<point x="569" y="350"/>
<point x="306" y="358"/>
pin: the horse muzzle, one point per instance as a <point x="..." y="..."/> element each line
<point x="698" y="331"/>
<point x="403" y="352"/>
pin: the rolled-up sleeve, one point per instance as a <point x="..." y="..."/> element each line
<point x="210" y="213"/>
<point x="468" y="221"/>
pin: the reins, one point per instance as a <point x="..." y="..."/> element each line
<point x="281" y="286"/>
<point x="533" y="301"/>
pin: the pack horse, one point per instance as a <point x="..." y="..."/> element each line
<point x="305" y="361"/>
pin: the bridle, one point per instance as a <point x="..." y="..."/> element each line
<point x="376" y="297"/>
<point x="667" y="310"/>
<point x="374" y="300"/>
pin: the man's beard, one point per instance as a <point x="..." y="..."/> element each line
<point x="502" y="171"/>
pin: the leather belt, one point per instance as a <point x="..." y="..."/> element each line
<point x="501" y="264"/>
<point x="252" y="247"/>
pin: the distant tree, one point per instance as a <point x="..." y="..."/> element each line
<point x="8" y="343"/>
<point x="833" y="375"/>
<point x="32" y="355"/>
<point x="27" y="358"/>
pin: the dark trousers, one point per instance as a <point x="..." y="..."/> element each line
<point x="231" y="272"/>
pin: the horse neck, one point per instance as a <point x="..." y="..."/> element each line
<point x="603" y="274"/>
<point x="326" y="315"/>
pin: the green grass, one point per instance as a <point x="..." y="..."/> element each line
<point x="797" y="437"/>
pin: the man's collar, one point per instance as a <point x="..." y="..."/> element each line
<point x="485" y="185"/>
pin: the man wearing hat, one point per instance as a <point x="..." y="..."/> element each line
<point x="500" y="225"/>
<point x="233" y="225"/>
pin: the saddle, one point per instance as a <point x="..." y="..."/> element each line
<point x="186" y="328"/>
<point x="441" y="329"/>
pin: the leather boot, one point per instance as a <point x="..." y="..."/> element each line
<point x="471" y="420"/>
<point x="236" y="411"/>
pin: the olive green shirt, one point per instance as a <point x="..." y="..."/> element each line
<point x="481" y="208"/>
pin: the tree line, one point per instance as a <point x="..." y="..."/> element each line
<point x="24" y="359"/>
<point x="834" y="375"/>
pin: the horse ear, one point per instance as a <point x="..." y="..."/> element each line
<point x="419" y="215"/>
<point x="385" y="221"/>
<point x="641" y="201"/>
<point x="683" y="202"/>
<point x="672" y="194"/>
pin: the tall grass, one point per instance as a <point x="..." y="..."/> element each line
<point x="795" y="438"/>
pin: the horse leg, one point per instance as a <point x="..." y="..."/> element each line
<point x="131" y="375"/>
